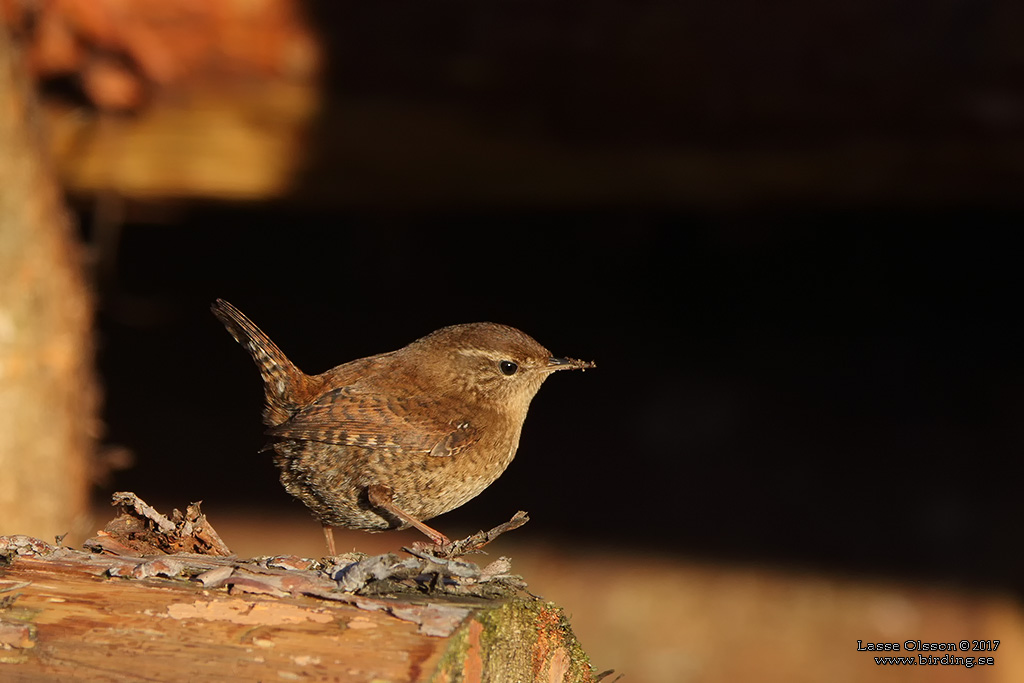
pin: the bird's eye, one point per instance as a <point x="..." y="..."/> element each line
<point x="507" y="367"/>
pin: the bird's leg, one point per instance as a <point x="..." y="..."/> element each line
<point x="381" y="496"/>
<point x="329" y="536"/>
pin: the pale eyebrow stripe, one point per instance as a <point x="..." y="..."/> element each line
<point x="477" y="352"/>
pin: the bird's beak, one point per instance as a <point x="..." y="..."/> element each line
<point x="568" y="364"/>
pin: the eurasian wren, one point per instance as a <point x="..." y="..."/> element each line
<point x="392" y="440"/>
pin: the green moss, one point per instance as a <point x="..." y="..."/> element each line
<point x="517" y="636"/>
<point x="521" y="635"/>
<point x="451" y="664"/>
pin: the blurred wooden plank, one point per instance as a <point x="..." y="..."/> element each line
<point x="662" y="618"/>
<point x="277" y="141"/>
<point x="233" y="141"/>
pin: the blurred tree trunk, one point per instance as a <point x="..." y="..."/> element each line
<point x="48" y="393"/>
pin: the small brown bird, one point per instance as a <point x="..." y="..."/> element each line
<point x="392" y="440"/>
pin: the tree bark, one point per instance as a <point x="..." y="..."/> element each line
<point x="64" y="616"/>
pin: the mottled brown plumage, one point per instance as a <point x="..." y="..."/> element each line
<point x="391" y="440"/>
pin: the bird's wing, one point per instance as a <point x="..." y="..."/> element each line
<point x="351" y="418"/>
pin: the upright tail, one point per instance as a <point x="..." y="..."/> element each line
<point x="285" y="385"/>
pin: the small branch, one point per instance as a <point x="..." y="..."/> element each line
<point x="470" y="544"/>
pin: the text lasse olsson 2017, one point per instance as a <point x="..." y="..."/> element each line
<point x="947" y="659"/>
<point x="917" y="645"/>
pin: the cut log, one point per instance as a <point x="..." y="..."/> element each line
<point x="67" y="614"/>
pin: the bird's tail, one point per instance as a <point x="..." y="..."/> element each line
<point x="284" y="383"/>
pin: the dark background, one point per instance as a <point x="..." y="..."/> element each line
<point x="805" y="312"/>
